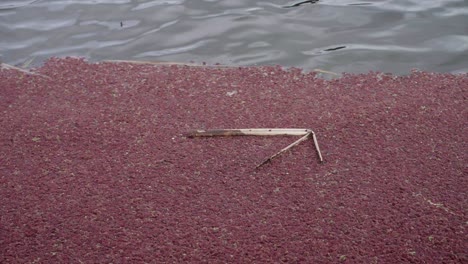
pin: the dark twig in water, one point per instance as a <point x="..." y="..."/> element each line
<point x="335" y="48"/>
<point x="301" y="3"/>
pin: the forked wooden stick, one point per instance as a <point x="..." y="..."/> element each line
<point x="306" y="133"/>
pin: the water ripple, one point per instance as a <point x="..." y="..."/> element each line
<point x="176" y="50"/>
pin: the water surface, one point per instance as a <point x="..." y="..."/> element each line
<point x="336" y="35"/>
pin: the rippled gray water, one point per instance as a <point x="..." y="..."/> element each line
<point x="336" y="35"/>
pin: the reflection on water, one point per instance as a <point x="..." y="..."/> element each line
<point x="335" y="35"/>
